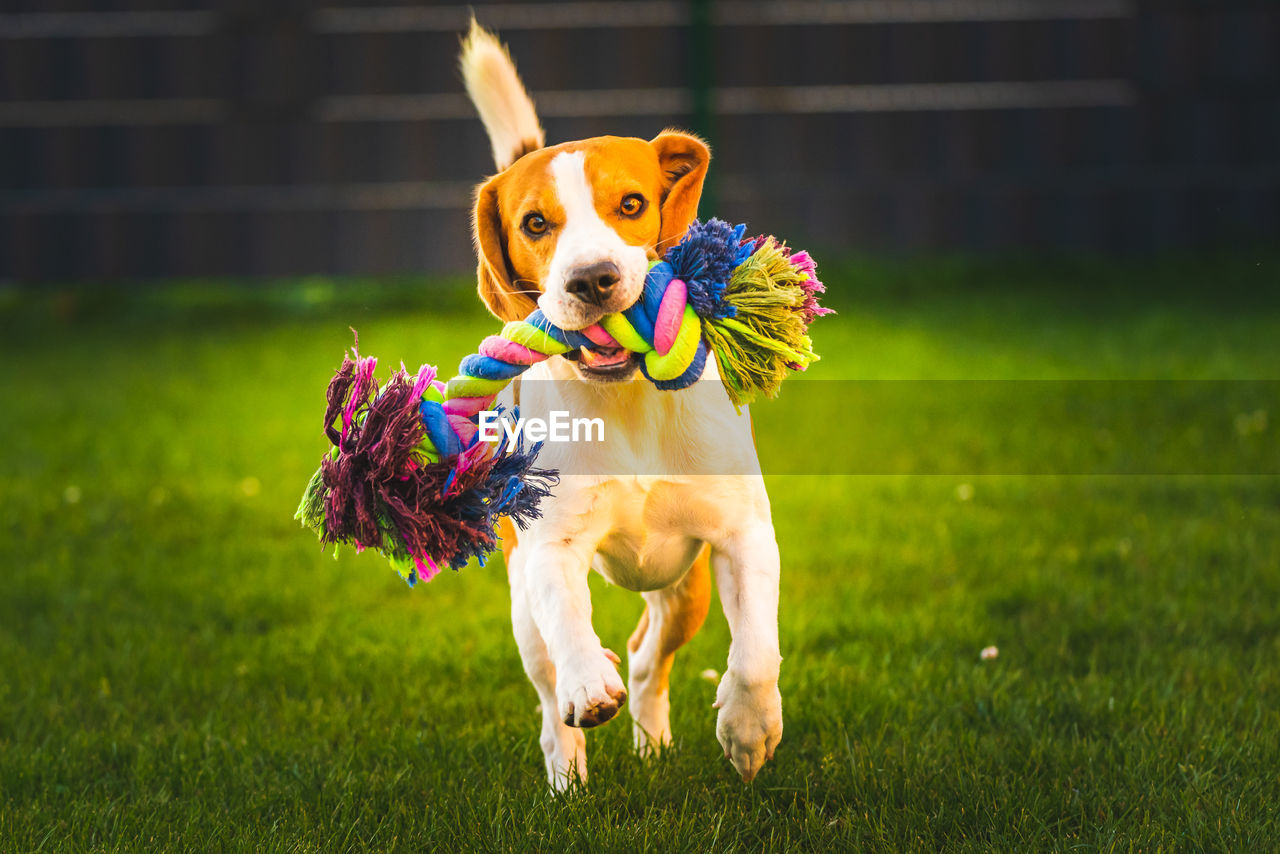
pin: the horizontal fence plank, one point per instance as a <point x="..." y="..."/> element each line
<point x="503" y="16"/>
<point x="390" y="195"/>
<point x="564" y="15"/>
<point x="657" y="13"/>
<point x="107" y="25"/>
<point x="606" y="102"/>
<point x="922" y="98"/>
<point x="100" y="112"/>
<point x="763" y="12"/>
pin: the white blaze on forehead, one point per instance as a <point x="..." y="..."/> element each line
<point x="569" y="172"/>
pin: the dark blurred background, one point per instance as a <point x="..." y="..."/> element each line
<point x="154" y="138"/>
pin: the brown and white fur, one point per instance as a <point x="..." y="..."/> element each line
<point x="561" y="227"/>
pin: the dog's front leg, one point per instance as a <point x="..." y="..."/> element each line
<point x="564" y="748"/>
<point x="589" y="690"/>
<point x="749" y="726"/>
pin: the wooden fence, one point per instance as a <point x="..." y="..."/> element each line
<point x="165" y="139"/>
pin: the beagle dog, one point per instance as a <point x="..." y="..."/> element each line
<point x="572" y="229"/>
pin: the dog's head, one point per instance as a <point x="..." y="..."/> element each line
<point x="571" y="228"/>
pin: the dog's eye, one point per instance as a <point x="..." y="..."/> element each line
<point x="632" y="205"/>
<point x="533" y="224"/>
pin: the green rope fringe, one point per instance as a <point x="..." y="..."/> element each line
<point x="756" y="347"/>
<point x="311" y="509"/>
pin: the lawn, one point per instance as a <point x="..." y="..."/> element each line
<point x="181" y="667"/>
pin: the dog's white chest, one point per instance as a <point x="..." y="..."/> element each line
<point x="655" y="532"/>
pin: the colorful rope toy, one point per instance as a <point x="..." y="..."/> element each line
<point x="407" y="474"/>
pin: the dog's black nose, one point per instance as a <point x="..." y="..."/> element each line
<point x="594" y="283"/>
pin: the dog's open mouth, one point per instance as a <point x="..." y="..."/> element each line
<point x="606" y="362"/>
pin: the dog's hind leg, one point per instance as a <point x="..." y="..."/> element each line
<point x="671" y="617"/>
<point x="564" y="748"/>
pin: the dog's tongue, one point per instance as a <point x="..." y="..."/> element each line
<point x="605" y="357"/>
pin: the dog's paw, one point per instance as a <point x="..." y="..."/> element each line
<point x="749" y="726"/>
<point x="589" y="691"/>
<point x="565" y="752"/>
<point x="650" y="728"/>
<point x="650" y="706"/>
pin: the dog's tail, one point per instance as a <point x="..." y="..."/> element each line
<point x="500" y="98"/>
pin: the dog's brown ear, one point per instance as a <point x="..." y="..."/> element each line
<point x="683" y="159"/>
<point x="494" y="276"/>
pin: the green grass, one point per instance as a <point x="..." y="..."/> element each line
<point x="182" y="669"/>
